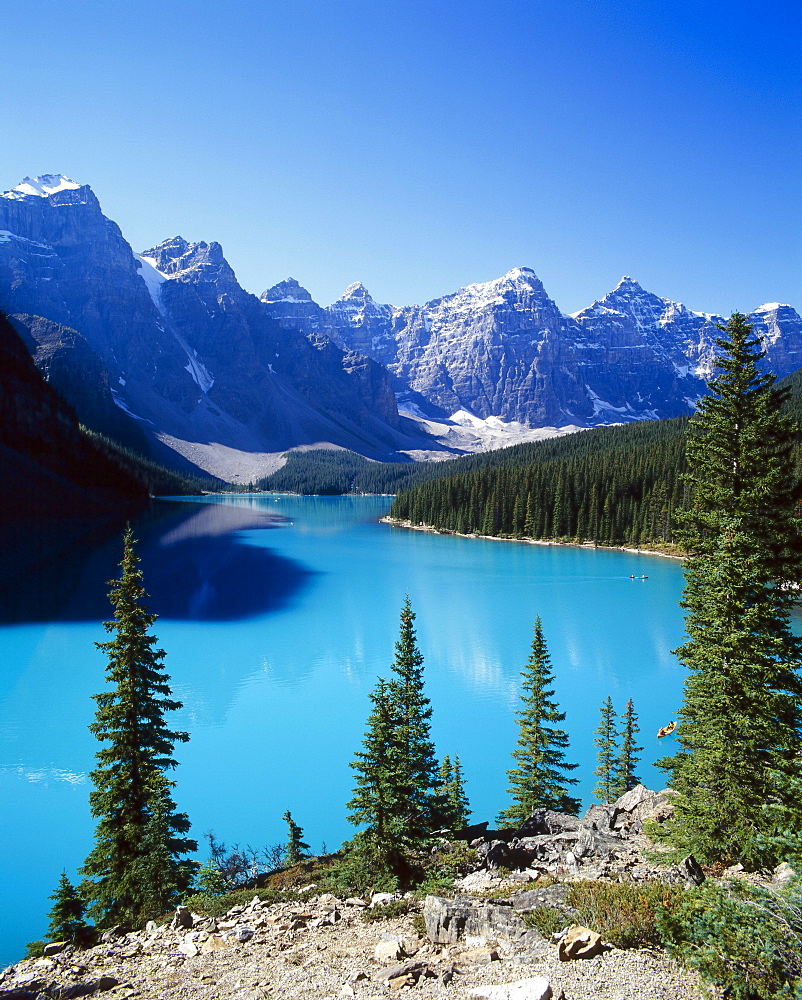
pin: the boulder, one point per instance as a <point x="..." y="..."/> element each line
<point x="687" y="871"/>
<point x="412" y="969"/>
<point x="544" y="821"/>
<point x="89" y="988"/>
<point x="240" y="933"/>
<point x="554" y="896"/>
<point x="215" y="942"/>
<point x="188" y="948"/>
<point x="449" y="919"/>
<point x="388" y="950"/>
<point x="182" y="918"/>
<point x="535" y="988"/>
<point x="579" y="942"/>
<point x="512" y="856"/>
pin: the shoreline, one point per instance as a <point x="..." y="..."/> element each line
<point x="396" y="523"/>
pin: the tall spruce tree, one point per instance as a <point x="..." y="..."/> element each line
<point x="606" y="740"/>
<point x="374" y="803"/>
<point x="415" y="774"/>
<point x="135" y="869"/>
<point x="297" y="850"/>
<point x="394" y="798"/>
<point x="740" y="725"/>
<point x="67" y="916"/>
<point x="540" y="779"/>
<point x="625" y="777"/>
<point x="452" y="808"/>
<point x="456" y="797"/>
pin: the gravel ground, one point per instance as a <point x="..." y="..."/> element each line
<point x="324" y="949"/>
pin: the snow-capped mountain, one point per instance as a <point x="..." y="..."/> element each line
<point x="194" y="360"/>
<point x="503" y="348"/>
<point x="165" y="346"/>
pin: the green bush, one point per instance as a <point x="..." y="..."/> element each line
<point x="745" y="938"/>
<point x="547" y="919"/>
<point x="35" y="949"/>
<point x="361" y="870"/>
<point x="386" y="911"/>
<point x="208" y="905"/>
<point x="441" y="868"/>
<point x="624" y="913"/>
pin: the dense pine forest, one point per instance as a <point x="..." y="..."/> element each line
<point x="614" y="485"/>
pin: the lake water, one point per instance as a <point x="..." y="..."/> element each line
<point x="277" y="615"/>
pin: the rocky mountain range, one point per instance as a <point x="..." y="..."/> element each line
<point x="169" y="338"/>
<point x="167" y="352"/>
<point x="503" y="348"/>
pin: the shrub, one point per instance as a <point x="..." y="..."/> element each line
<point x="745" y="938"/>
<point x="360" y="870"/>
<point x="217" y="906"/>
<point x="386" y="911"/>
<point x="547" y="919"/>
<point x="34" y="949"/>
<point x="624" y="913"/>
<point x="443" y="867"/>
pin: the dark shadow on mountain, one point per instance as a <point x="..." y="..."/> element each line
<point x="195" y="566"/>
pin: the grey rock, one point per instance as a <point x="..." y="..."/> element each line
<point x="547" y="821"/>
<point x="241" y="933"/>
<point x="534" y="988"/>
<point x="555" y="896"/>
<point x="599" y="817"/>
<point x="88" y="988"/>
<point x="447" y="920"/>
<point x="687" y="872"/>
<point x="182" y="918"/>
<point x="508" y="856"/>
<point x="410" y="968"/>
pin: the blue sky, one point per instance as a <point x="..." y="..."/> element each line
<point x="420" y="146"/>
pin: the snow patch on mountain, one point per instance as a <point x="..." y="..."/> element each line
<point x="153" y="279"/>
<point x="41" y="187"/>
<point x="464" y="432"/>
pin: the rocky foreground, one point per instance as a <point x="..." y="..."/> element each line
<point x="474" y="944"/>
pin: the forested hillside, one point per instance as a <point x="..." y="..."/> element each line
<point x="612" y="485"/>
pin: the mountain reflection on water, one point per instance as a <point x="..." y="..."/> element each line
<point x="195" y="566"/>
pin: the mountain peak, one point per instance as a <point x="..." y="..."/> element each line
<point x="288" y="290"/>
<point x="356" y="290"/>
<point x="42" y="186"/>
<point x="627" y="284"/>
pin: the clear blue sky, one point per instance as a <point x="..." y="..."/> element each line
<point x="419" y="145"/>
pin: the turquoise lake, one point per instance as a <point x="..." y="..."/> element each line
<point x="277" y="615"/>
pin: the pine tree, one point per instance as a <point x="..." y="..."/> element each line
<point x="539" y="780"/>
<point x="296" y="848"/>
<point x="67" y="916"/>
<point x="415" y="766"/>
<point x="606" y="740"/>
<point x="451" y="809"/>
<point x="740" y="725"/>
<point x="394" y="796"/>
<point x="134" y="872"/>
<point x="625" y="777"/>
<point x="374" y="804"/>
<point x="457" y="800"/>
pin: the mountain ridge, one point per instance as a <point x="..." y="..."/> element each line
<point x="216" y="379"/>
